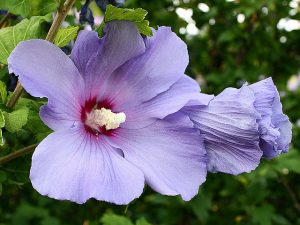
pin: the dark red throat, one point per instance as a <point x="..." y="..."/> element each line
<point x="89" y="105"/>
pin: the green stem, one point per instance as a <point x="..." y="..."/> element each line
<point x="15" y="96"/>
<point x="18" y="153"/>
<point x="59" y="18"/>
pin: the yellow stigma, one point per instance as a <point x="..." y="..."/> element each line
<point x="105" y="117"/>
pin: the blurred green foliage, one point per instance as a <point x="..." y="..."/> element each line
<point x="229" y="42"/>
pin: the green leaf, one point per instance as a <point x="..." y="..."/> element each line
<point x="28" y="8"/>
<point x="100" y="29"/>
<point x="43" y="7"/>
<point x="36" y="126"/>
<point x="34" y="123"/>
<point x="15" y="120"/>
<point x="112" y="219"/>
<point x="18" y="7"/>
<point x="200" y="206"/>
<point x="4" y="4"/>
<point x="65" y="35"/>
<point x="3" y="92"/>
<point x="134" y="15"/>
<point x="26" y="29"/>
<point x="143" y="27"/>
<point x="29" y="103"/>
<point x="26" y="212"/>
<point x="142" y="221"/>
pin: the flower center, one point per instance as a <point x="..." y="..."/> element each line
<point x="99" y="118"/>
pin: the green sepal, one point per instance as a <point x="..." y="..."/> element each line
<point x="134" y="15"/>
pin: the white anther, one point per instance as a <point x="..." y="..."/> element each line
<point x="105" y="117"/>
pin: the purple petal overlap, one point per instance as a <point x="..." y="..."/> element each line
<point x="230" y="131"/>
<point x="155" y="71"/>
<point x="182" y="92"/>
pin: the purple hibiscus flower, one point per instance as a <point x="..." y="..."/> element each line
<point x="240" y="126"/>
<point x="115" y="108"/>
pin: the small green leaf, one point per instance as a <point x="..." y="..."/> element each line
<point x="65" y="35"/>
<point x="26" y="29"/>
<point x="134" y="15"/>
<point x="100" y="29"/>
<point x="15" y="120"/>
<point x="112" y="219"/>
<point x="3" y="92"/>
<point x="142" y="221"/>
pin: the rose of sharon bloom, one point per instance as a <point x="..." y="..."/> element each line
<point x="240" y="126"/>
<point x="115" y="108"/>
